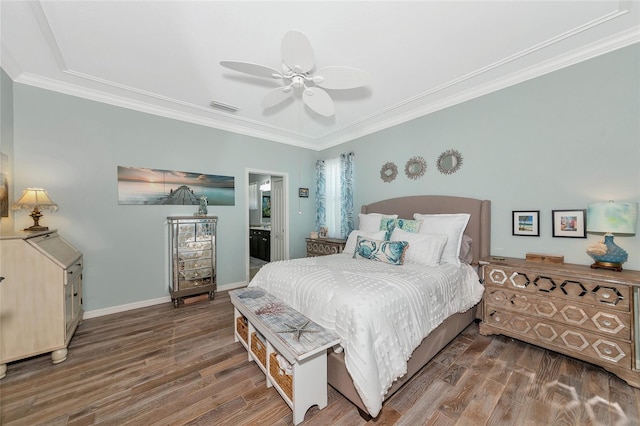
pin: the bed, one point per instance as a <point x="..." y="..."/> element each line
<point x="362" y="300"/>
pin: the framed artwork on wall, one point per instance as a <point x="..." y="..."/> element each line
<point x="266" y="206"/>
<point x="144" y="186"/>
<point x="303" y="192"/>
<point x="526" y="223"/>
<point x="569" y="223"/>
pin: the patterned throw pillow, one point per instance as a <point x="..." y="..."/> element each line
<point x="389" y="224"/>
<point x="391" y="252"/>
<point x="352" y="240"/>
<point x="370" y="222"/>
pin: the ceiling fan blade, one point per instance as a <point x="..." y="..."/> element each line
<point x="297" y="52"/>
<point x="338" y="77"/>
<point x="319" y="101"/>
<point x="253" y="69"/>
<point x="277" y="95"/>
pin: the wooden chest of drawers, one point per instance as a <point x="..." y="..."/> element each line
<point x="588" y="314"/>
<point x="324" y="246"/>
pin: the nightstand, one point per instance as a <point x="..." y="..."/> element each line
<point x="324" y="246"/>
<point x="589" y="314"/>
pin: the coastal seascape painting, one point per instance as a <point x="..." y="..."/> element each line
<point x="138" y="185"/>
<point x="526" y="223"/>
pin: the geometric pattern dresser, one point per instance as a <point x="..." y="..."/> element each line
<point x="589" y="314"/>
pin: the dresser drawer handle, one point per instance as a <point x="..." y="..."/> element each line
<point x="607" y="351"/>
<point x="606" y="295"/>
<point x="607" y="323"/>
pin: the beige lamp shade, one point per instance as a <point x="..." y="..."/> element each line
<point x="35" y="197"/>
<point x="612" y="217"/>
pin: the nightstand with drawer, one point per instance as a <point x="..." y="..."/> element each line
<point x="324" y="246"/>
<point x="589" y="314"/>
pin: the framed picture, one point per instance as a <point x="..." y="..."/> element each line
<point x="266" y="206"/>
<point x="323" y="232"/>
<point x="303" y="192"/>
<point x="526" y="223"/>
<point x="569" y="223"/>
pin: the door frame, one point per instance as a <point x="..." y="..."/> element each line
<point x="285" y="182"/>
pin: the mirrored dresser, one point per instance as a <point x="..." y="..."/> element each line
<point x="192" y="254"/>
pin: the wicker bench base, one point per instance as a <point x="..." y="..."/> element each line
<point x="302" y="382"/>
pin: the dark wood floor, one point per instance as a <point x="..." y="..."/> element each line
<point x="167" y="366"/>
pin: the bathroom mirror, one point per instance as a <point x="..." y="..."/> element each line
<point x="415" y="167"/>
<point x="449" y="162"/>
<point x="388" y="172"/>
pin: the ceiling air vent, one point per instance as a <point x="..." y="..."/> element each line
<point x="223" y="106"/>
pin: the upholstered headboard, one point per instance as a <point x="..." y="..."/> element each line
<point x="479" y="227"/>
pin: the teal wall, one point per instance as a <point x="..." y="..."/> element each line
<point x="559" y="141"/>
<point x="72" y="147"/>
<point x="6" y="141"/>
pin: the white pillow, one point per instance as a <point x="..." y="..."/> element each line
<point x="452" y="225"/>
<point x="424" y="249"/>
<point x="350" y="246"/>
<point x="370" y="222"/>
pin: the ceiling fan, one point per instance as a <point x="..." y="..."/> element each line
<point x="298" y="73"/>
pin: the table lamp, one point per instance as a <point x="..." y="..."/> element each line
<point x="608" y="218"/>
<point x="36" y="199"/>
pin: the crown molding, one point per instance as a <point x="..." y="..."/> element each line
<point x="373" y="123"/>
<point x="149" y="108"/>
<point x="377" y="122"/>
<point x="8" y="63"/>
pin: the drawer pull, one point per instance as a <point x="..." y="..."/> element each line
<point x="607" y="351"/>
<point x="607" y="323"/>
<point x="606" y="295"/>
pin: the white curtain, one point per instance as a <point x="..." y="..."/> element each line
<point x="332" y="196"/>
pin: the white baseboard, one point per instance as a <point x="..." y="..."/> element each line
<point x="143" y="304"/>
<point x="232" y="286"/>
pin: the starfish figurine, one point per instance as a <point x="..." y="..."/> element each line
<point x="297" y="330"/>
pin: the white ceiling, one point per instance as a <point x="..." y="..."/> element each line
<point x="162" y="57"/>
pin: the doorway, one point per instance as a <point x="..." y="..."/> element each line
<point x="267" y="219"/>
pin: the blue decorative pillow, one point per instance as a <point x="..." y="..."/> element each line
<point x="381" y="250"/>
<point x="407" y="225"/>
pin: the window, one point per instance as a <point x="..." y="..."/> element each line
<point x="253" y="196"/>
<point x="334" y="195"/>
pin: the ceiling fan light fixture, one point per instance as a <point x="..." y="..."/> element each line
<point x="298" y="70"/>
<point x="297" y="82"/>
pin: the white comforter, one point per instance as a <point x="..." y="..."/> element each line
<point x="381" y="312"/>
